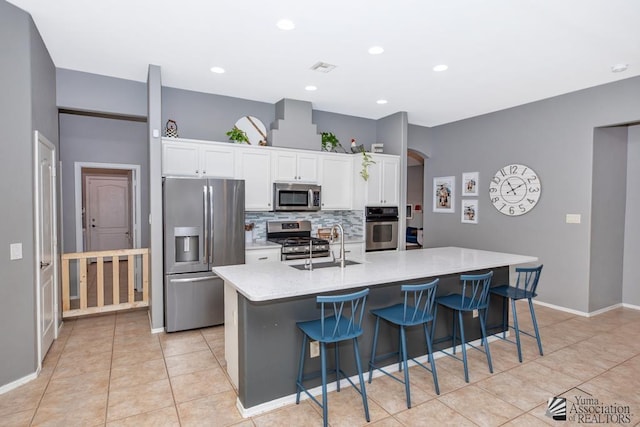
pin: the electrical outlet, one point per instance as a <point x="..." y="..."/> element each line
<point x="475" y="313"/>
<point x="314" y="349"/>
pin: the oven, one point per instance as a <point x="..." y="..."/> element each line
<point x="296" y="197"/>
<point x="381" y="231"/>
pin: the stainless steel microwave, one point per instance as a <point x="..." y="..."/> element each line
<point x="296" y="197"/>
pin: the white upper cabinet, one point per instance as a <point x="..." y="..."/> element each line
<point x="254" y="166"/>
<point x="295" y="166"/>
<point x="336" y="179"/>
<point x="197" y="159"/>
<point x="383" y="186"/>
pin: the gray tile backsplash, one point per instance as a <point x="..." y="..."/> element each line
<point x="351" y="221"/>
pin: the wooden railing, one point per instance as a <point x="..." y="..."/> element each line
<point x="83" y="258"/>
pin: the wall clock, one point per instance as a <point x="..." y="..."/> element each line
<point x="515" y="189"/>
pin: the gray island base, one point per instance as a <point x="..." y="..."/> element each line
<point x="264" y="302"/>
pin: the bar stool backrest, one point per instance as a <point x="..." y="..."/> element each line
<point x="475" y="290"/>
<point x="528" y="278"/>
<point x="341" y="315"/>
<point x="419" y="302"/>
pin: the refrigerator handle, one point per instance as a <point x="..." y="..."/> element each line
<point x="211" y="225"/>
<point x="205" y="216"/>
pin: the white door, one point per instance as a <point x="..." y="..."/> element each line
<point x="46" y="294"/>
<point x="108" y="213"/>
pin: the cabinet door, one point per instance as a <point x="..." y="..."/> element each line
<point x="307" y="167"/>
<point x="285" y="167"/>
<point x="336" y="179"/>
<point x="217" y="162"/>
<point x="389" y="188"/>
<point x="180" y="159"/>
<point x="374" y="193"/>
<point x="254" y="166"/>
<point x="256" y="256"/>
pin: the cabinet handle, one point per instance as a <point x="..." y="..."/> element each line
<point x="204" y="172"/>
<point x="262" y="258"/>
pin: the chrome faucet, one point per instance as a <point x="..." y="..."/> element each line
<point x="308" y="263"/>
<point x="342" y="258"/>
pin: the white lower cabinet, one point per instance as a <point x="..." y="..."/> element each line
<point x="255" y="256"/>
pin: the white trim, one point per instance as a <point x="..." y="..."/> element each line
<point x="19" y="382"/>
<point x="156" y="330"/>
<point x="586" y="314"/>
<point x="317" y="391"/>
<point x="37" y="139"/>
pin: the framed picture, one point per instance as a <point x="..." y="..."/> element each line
<point x="470" y="184"/>
<point x="444" y="194"/>
<point x="470" y="211"/>
<point x="409" y="211"/>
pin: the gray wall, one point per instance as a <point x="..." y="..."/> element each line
<point x="92" y="92"/>
<point x="346" y="127"/>
<point x="101" y="140"/>
<point x="607" y="216"/>
<point x="631" y="271"/>
<point x="555" y="138"/>
<point x="209" y="117"/>
<point x="27" y="99"/>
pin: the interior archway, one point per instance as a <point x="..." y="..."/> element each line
<point x="415" y="199"/>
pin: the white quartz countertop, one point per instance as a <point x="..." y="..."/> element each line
<point x="276" y="280"/>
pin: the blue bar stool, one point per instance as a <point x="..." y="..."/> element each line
<point x="526" y="284"/>
<point x="474" y="296"/>
<point x="341" y="320"/>
<point x="417" y="309"/>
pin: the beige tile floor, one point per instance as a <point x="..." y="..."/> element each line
<point x="110" y="371"/>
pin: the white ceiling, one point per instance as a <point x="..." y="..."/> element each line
<point x="500" y="53"/>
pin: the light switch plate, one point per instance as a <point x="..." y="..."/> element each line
<point x="573" y="218"/>
<point x="16" y="251"/>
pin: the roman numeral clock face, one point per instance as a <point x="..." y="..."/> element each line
<point x="515" y="189"/>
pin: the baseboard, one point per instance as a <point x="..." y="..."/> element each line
<point x="20" y="381"/>
<point x="586" y="314"/>
<point x="154" y="330"/>
<point x="317" y="391"/>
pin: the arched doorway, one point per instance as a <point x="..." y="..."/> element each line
<point x="415" y="199"/>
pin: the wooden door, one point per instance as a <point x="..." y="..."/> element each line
<point x="108" y="212"/>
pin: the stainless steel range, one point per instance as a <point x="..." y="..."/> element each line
<point x="295" y="238"/>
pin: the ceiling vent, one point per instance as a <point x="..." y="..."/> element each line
<point x="322" y="67"/>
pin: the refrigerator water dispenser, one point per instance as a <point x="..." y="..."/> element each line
<point x="187" y="244"/>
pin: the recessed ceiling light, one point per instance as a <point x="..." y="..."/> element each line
<point x="310" y="88"/>
<point x="285" y="24"/>
<point x="618" y="68"/>
<point x="376" y="50"/>
<point x="217" y="70"/>
<point x="381" y="101"/>
<point x="441" y="67"/>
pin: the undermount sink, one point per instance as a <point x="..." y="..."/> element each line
<point x="325" y="264"/>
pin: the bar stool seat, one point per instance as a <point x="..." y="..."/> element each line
<point x="341" y="320"/>
<point x="417" y="309"/>
<point x="474" y="296"/>
<point x="525" y="288"/>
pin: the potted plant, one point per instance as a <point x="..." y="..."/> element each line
<point x="238" y="136"/>
<point x="329" y="141"/>
<point x="367" y="160"/>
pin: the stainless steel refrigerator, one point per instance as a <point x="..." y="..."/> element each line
<point x="203" y="228"/>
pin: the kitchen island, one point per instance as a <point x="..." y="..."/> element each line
<point x="264" y="302"/>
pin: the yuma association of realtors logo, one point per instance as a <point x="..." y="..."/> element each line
<point x="588" y="410"/>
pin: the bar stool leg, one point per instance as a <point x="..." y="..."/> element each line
<point x="337" y="357"/>
<point x="363" y="390"/>
<point x="464" y="350"/>
<point x="403" y="338"/>
<point x="374" y="346"/>
<point x="483" y="327"/>
<point x="431" y="359"/>
<point x="325" y="403"/>
<point x="453" y="339"/>
<point x="301" y="368"/>
<point x="535" y="325"/>
<point x="516" y="327"/>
